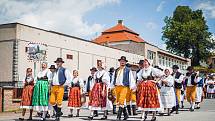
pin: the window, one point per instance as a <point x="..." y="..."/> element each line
<point x="151" y="55"/>
<point x="160" y="60"/>
<point x="68" y="56"/>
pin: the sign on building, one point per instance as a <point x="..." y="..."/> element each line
<point x="36" y="52"/>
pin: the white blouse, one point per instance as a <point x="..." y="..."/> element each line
<point x="105" y="78"/>
<point x="170" y="80"/>
<point x="145" y="72"/>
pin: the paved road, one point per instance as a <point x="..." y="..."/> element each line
<point x="206" y="113"/>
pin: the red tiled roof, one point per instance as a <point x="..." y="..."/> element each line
<point x="118" y="33"/>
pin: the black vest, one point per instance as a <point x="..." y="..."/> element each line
<point x="176" y="84"/>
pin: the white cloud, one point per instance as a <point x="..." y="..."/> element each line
<point x="208" y="7"/>
<point x="66" y="16"/>
<point x="160" y="6"/>
<point x="151" y="25"/>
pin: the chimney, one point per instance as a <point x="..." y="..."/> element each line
<point x="120" y="21"/>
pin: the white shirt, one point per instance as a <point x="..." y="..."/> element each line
<point x="75" y="80"/>
<point x="119" y="79"/>
<point x="68" y="76"/>
<point x="189" y="81"/>
<point x="180" y="79"/>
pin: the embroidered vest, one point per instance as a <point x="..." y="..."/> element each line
<point x="88" y="83"/>
<point x="61" y="75"/>
<point x="125" y="76"/>
<point x="193" y="76"/>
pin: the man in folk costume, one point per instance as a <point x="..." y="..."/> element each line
<point x="178" y="79"/>
<point x="99" y="94"/>
<point x="131" y="96"/>
<point x="89" y="86"/>
<point x="123" y="82"/>
<point x="113" y="92"/>
<point x="61" y="77"/>
<point x="191" y="81"/>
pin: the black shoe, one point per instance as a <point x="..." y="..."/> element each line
<point x="95" y="113"/>
<point x="182" y="106"/>
<point x="104" y="118"/>
<point x="176" y="112"/>
<point x="125" y="114"/>
<point x="197" y="107"/>
<point x="90" y="117"/>
<point x="144" y="119"/>
<point x="21" y="119"/>
<point x="53" y="116"/>
<point x="114" y="109"/>
<point x="129" y="109"/>
<point x="119" y="113"/>
<point x="173" y="109"/>
<point x="134" y="109"/>
<point x="153" y="119"/>
<point x="43" y="119"/>
<point x="47" y="115"/>
<point x="57" y="119"/>
<point x="70" y="115"/>
<point x="77" y="115"/>
<point x="29" y="119"/>
<point x="191" y="110"/>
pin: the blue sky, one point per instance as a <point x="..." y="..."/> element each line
<point x="88" y="18"/>
<point x="145" y="16"/>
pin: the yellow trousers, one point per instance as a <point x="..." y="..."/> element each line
<point x="131" y="97"/>
<point x="178" y="94"/>
<point x="191" y="93"/>
<point x="114" y="94"/>
<point x="121" y="94"/>
<point x="56" y="97"/>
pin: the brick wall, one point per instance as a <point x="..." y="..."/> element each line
<point x="9" y="104"/>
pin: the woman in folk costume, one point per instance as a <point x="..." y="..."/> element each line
<point x="167" y="92"/>
<point x="148" y="97"/>
<point x="40" y="99"/>
<point x="99" y="94"/>
<point x="74" y="101"/>
<point x="199" y="91"/>
<point x="90" y="85"/>
<point x="27" y="93"/>
<point x="122" y="83"/>
<point x="211" y="86"/>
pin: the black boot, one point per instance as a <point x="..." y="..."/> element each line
<point x="59" y="113"/>
<point x="173" y="109"/>
<point x="129" y="109"/>
<point x="119" y="113"/>
<point x="114" y="109"/>
<point x="125" y="114"/>
<point x="95" y="113"/>
<point x="134" y="109"/>
<point x="176" y="109"/>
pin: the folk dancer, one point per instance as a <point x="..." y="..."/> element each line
<point x="40" y="99"/>
<point x="61" y="77"/>
<point x="191" y="81"/>
<point x="99" y="94"/>
<point x="148" y="97"/>
<point x="167" y="92"/>
<point x="178" y="79"/>
<point x="199" y="91"/>
<point x="211" y="86"/>
<point x="123" y="82"/>
<point x="76" y="89"/>
<point x="89" y="86"/>
<point x="26" y="102"/>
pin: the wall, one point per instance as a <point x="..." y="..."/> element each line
<point x="7" y="32"/>
<point x="85" y="54"/>
<point x="6" y="63"/>
<point x="1" y="99"/>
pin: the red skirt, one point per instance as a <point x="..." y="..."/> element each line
<point x="97" y="97"/>
<point x="27" y="95"/>
<point x="147" y="95"/>
<point x="74" y="100"/>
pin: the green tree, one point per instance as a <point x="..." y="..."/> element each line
<point x="186" y="34"/>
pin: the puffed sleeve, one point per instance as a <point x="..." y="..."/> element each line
<point x="68" y="77"/>
<point x="112" y="82"/>
<point x="139" y="75"/>
<point x="106" y="79"/>
<point x="156" y="72"/>
<point x="132" y="81"/>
